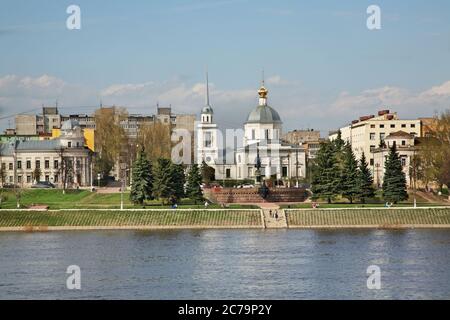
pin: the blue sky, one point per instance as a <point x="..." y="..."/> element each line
<point x="322" y="65"/>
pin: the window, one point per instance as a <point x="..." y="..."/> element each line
<point x="47" y="164"/>
<point x="284" y="171"/>
<point x="403" y="160"/>
<point x="19" y="179"/>
<point x="208" y="139"/>
<point x="78" y="144"/>
<point x="10" y="179"/>
<point x="28" y="164"/>
<point x="228" y="173"/>
<point x="413" y="125"/>
<point x="267" y="134"/>
<point x="403" y="125"/>
<point x="403" y="143"/>
<point x="55" y="164"/>
<point x="392" y="125"/>
<point x="381" y="126"/>
<point x="28" y="179"/>
<point x="10" y="166"/>
<point x="253" y="134"/>
<point x="250" y="173"/>
<point x="69" y="144"/>
<point x="47" y="178"/>
<point x="19" y="164"/>
<point x="4" y="166"/>
<point x="372" y="126"/>
<point x="372" y="148"/>
<point x="56" y="178"/>
<point x="382" y="135"/>
<point x="372" y="136"/>
<point x="38" y="164"/>
<point x="371" y="162"/>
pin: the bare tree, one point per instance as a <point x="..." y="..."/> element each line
<point x="155" y="138"/>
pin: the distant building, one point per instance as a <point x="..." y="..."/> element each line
<point x="37" y="124"/>
<point x="406" y="148"/>
<point x="369" y="132"/>
<point x="20" y="158"/>
<point x="301" y="136"/>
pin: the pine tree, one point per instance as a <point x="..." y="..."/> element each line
<point x="394" y="181"/>
<point x="365" y="181"/>
<point x="208" y="173"/>
<point x="141" y="188"/>
<point x="177" y="180"/>
<point x="338" y="142"/>
<point x="349" y="177"/>
<point x="162" y="184"/>
<point x="193" y="186"/>
<point x="326" y="176"/>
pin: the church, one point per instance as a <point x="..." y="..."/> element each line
<point x="280" y="163"/>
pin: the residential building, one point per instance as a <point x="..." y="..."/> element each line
<point x="369" y="132"/>
<point x="63" y="158"/>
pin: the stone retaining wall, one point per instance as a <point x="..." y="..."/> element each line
<point x="251" y="195"/>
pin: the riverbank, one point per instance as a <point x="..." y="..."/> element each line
<point x="142" y="219"/>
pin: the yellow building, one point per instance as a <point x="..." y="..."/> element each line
<point x="89" y="137"/>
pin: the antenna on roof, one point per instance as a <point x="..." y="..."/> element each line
<point x="207" y="87"/>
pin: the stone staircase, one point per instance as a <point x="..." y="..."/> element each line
<point x="270" y="221"/>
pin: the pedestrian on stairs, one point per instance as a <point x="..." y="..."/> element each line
<point x="276" y="214"/>
<point x="270" y="212"/>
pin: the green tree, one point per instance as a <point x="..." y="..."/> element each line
<point x="177" y="180"/>
<point x="349" y="178"/>
<point x="338" y="142"/>
<point x="208" y="173"/>
<point x="365" y="181"/>
<point x="394" y="181"/>
<point x="37" y="174"/>
<point x="193" y="185"/>
<point x="141" y="187"/>
<point x="162" y="186"/>
<point x="326" y="176"/>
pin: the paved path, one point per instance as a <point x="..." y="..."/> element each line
<point x="270" y="221"/>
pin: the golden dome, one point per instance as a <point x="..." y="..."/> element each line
<point x="263" y="92"/>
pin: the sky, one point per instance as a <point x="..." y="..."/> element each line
<point x="323" y="66"/>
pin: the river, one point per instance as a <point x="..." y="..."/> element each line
<point x="226" y="264"/>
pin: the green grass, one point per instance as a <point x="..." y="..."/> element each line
<point x="356" y="205"/>
<point x="80" y="218"/>
<point x="373" y="217"/>
<point x="84" y="199"/>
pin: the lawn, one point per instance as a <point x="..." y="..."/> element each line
<point x="117" y="218"/>
<point x="368" y="217"/>
<point x="85" y="199"/>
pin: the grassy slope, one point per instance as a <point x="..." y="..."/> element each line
<point x="130" y="218"/>
<point x="379" y="217"/>
<point x="73" y="199"/>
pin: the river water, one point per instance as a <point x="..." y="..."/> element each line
<point x="226" y="264"/>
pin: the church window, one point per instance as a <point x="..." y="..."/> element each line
<point x="228" y="173"/>
<point x="285" y="171"/>
<point x="253" y="134"/>
<point x="267" y="134"/>
<point x="208" y="140"/>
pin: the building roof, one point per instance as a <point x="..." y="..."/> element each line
<point x="400" y="134"/>
<point x="207" y="110"/>
<point x="263" y="114"/>
<point x="70" y="124"/>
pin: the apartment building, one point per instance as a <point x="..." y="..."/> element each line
<point x="369" y="132"/>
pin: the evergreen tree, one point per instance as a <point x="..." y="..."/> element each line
<point x="326" y="177"/>
<point x="208" y="173"/>
<point x="338" y="142"/>
<point x="193" y="186"/>
<point x="349" y="177"/>
<point x="162" y="184"/>
<point x="365" y="181"/>
<point x="178" y="180"/>
<point x="394" y="181"/>
<point x="141" y="188"/>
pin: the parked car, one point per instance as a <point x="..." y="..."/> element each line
<point x="43" y="185"/>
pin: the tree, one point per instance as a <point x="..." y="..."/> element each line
<point x="162" y="187"/>
<point x="349" y="177"/>
<point x="326" y="177"/>
<point x="394" y="181"/>
<point x="365" y="181"/>
<point x="37" y="174"/>
<point x="193" y="185"/>
<point x="110" y="138"/>
<point x="208" y="173"/>
<point x="141" y="188"/>
<point x="338" y="142"/>
<point x="177" y="180"/>
<point x="155" y="137"/>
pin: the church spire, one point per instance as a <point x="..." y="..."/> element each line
<point x="262" y="92"/>
<point x="207" y="88"/>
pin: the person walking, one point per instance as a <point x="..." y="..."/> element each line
<point x="270" y="213"/>
<point x="276" y="214"/>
